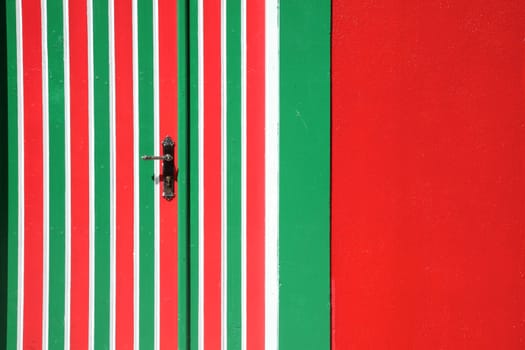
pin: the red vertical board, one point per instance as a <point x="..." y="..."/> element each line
<point x="428" y="177"/>
<point x="33" y="173"/>
<point x="212" y="174"/>
<point x="124" y="173"/>
<point x="79" y="143"/>
<point x="255" y="173"/>
<point x="168" y="209"/>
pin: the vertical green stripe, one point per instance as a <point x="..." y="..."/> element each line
<point x="57" y="173"/>
<point x="183" y="178"/>
<point x="233" y="126"/>
<point x="3" y="176"/>
<point x="193" y="144"/>
<point x="146" y="170"/>
<point x="12" y="120"/>
<point x="102" y="176"/>
<point x="304" y="230"/>
<point x="9" y="178"/>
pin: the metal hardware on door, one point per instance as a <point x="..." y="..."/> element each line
<point x="168" y="176"/>
<point x="166" y="157"/>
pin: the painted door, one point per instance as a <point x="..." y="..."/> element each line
<point x="428" y="176"/>
<point x="97" y="258"/>
<point x="93" y="246"/>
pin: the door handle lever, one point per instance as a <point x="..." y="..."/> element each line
<point x="168" y="167"/>
<point x="166" y="157"/>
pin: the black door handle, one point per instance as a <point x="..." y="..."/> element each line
<point x="168" y="167"/>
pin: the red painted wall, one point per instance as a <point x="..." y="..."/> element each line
<point x="428" y="177"/>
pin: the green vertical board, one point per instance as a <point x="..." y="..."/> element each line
<point x="12" y="166"/>
<point x="146" y="170"/>
<point x="304" y="229"/>
<point x="233" y="144"/>
<point x="193" y="144"/>
<point x="183" y="178"/>
<point x="3" y="177"/>
<point x="4" y="174"/>
<point x="102" y="167"/>
<point x="57" y="173"/>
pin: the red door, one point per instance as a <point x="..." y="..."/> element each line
<point x="428" y="177"/>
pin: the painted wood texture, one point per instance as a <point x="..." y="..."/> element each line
<point x="304" y="176"/>
<point x="100" y="264"/>
<point x="259" y="114"/>
<point x="428" y="177"/>
<point x="92" y="85"/>
<point x="234" y="272"/>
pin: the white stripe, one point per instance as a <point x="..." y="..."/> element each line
<point x="201" y="126"/>
<point x="224" y="181"/>
<point x="45" y="177"/>
<point x="156" y="151"/>
<point x="67" y="145"/>
<point x="243" y="175"/>
<point x="136" y="192"/>
<point x="20" y="103"/>
<point x="91" y="130"/>
<point x="112" y="177"/>
<point x="272" y="175"/>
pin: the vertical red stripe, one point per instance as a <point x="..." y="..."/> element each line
<point x="33" y="170"/>
<point x="168" y="210"/>
<point x="79" y="174"/>
<point x="124" y="173"/>
<point x="212" y="174"/>
<point x="255" y="200"/>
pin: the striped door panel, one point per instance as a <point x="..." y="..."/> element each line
<point x="93" y="247"/>
<point x="259" y="154"/>
<point x="98" y="262"/>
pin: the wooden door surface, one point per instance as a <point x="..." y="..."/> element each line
<point x="97" y="258"/>
<point x="92" y="244"/>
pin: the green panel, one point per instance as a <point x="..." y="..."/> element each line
<point x="193" y="174"/>
<point x="146" y="170"/>
<point x="12" y="191"/>
<point x="183" y="153"/>
<point x="102" y="176"/>
<point x="233" y="144"/>
<point x="304" y="232"/>
<point x="57" y="173"/>
<point x="3" y="177"/>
